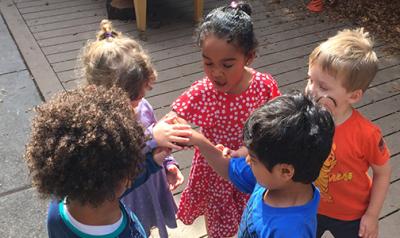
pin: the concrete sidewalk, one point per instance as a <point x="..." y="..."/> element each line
<point x="19" y="203"/>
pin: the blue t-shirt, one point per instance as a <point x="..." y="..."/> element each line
<point x="261" y="220"/>
<point x="59" y="225"/>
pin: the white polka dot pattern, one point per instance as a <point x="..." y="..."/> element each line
<point x="221" y="118"/>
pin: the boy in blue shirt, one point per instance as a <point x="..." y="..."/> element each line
<point x="85" y="151"/>
<point x="288" y="140"/>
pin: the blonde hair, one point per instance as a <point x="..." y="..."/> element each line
<point x="348" y="54"/>
<point x="114" y="59"/>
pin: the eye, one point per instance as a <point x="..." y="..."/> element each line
<point x="323" y="88"/>
<point x="227" y="66"/>
<point x="208" y="63"/>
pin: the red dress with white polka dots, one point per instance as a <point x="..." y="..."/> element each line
<point x="221" y="117"/>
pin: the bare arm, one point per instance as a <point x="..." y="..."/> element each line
<point x="213" y="155"/>
<point x="172" y="115"/>
<point x="380" y="185"/>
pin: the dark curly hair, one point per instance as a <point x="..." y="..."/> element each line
<point x="83" y="144"/>
<point x="231" y="22"/>
<point x="291" y="129"/>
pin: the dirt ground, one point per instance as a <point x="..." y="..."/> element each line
<point x="381" y="18"/>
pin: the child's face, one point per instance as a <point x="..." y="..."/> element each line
<point x="266" y="178"/>
<point x="224" y="64"/>
<point x="328" y="90"/>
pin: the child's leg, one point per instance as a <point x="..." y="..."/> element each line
<point x="321" y="225"/>
<point x="338" y="228"/>
<point x="206" y="222"/>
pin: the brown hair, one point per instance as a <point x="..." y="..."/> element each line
<point x="349" y="54"/>
<point x="84" y="144"/>
<point x="113" y="59"/>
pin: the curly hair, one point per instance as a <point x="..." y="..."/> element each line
<point x="84" y="144"/>
<point x="114" y="59"/>
<point x="232" y="23"/>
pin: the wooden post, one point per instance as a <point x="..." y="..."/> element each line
<point x="198" y="10"/>
<point x="140" y="11"/>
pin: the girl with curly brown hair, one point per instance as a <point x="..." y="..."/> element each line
<point x="114" y="59"/>
<point x="85" y="151"/>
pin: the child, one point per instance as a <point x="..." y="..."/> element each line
<point x="220" y="104"/>
<point x="84" y="151"/>
<point x="117" y="60"/>
<point x="288" y="140"/>
<point x="340" y="70"/>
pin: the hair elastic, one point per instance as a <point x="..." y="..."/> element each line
<point x="234" y="4"/>
<point x="108" y="34"/>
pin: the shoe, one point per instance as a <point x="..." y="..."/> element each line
<point x="119" y="13"/>
<point x="315" y="6"/>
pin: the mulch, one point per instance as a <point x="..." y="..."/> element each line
<point x="381" y="18"/>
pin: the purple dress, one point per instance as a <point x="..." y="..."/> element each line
<point x="152" y="202"/>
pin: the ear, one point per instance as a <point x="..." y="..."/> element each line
<point x="355" y="96"/>
<point x="250" y="57"/>
<point x="286" y="171"/>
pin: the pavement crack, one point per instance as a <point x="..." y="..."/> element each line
<point x="15" y="190"/>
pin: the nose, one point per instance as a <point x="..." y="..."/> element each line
<point x="311" y="90"/>
<point x="216" y="73"/>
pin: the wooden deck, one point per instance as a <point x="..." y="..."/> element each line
<point x="50" y="33"/>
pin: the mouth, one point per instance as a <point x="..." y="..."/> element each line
<point x="219" y="84"/>
<point x="328" y="97"/>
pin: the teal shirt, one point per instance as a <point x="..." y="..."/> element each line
<point x="59" y="225"/>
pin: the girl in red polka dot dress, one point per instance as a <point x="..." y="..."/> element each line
<point x="219" y="104"/>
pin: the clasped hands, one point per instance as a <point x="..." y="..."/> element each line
<point x="170" y="134"/>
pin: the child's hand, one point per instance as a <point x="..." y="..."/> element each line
<point x="168" y="134"/>
<point x="160" y="153"/>
<point x="368" y="226"/>
<point x="228" y="153"/>
<point x="174" y="176"/>
<point x="195" y="138"/>
<point x="173" y="118"/>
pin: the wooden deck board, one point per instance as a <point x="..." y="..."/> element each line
<point x="95" y="17"/>
<point x="392" y="203"/>
<point x="318" y="34"/>
<point x="162" y="45"/>
<point x="286" y="37"/>
<point x="62" y="11"/>
<point x="51" y="6"/>
<point x="24" y="4"/>
<point x="390" y="225"/>
<point x="100" y="11"/>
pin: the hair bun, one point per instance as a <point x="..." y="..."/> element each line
<point x="106" y="25"/>
<point x="107" y="31"/>
<point x="244" y="7"/>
